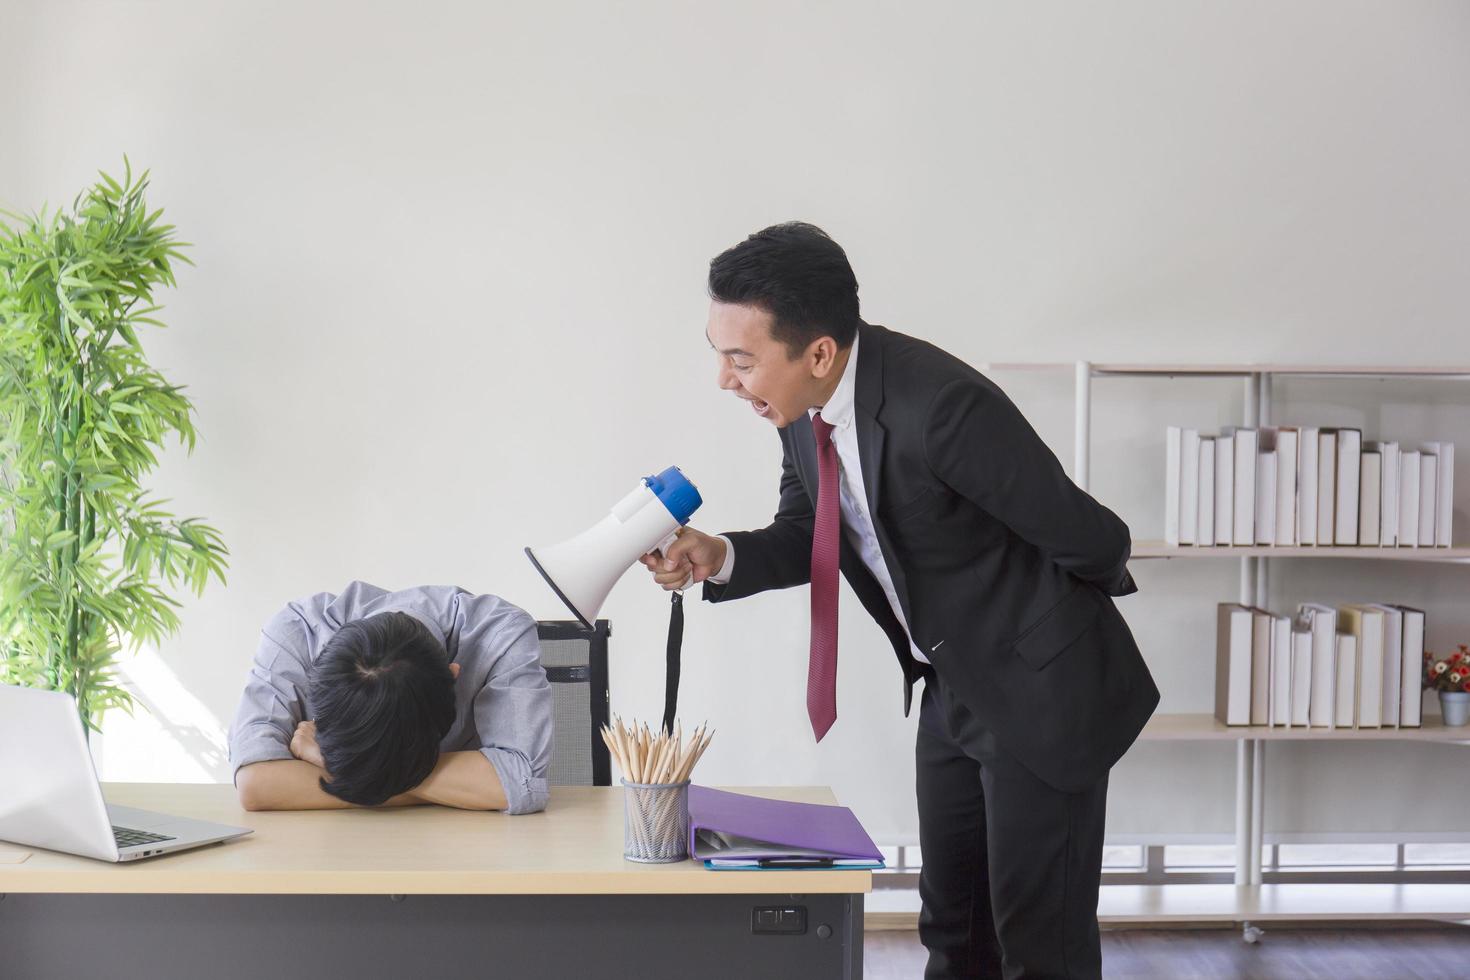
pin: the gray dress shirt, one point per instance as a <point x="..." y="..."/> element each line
<point x="502" y="699"/>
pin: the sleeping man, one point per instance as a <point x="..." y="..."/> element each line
<point x="376" y="698"/>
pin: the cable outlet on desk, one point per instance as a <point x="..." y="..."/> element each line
<point x="778" y="920"/>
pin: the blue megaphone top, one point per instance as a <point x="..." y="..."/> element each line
<point x="675" y="492"/>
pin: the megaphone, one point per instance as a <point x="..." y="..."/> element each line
<point x="583" y="570"/>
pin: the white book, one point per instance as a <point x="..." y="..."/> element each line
<point x="1233" y="664"/>
<point x="1388" y="494"/>
<point x="1260" y="667"/>
<point x="1346" y="715"/>
<point x="1266" y="497"/>
<point x="1370" y="484"/>
<point x="1326" y="486"/>
<point x="1323" y="621"/>
<point x="1444" y="492"/>
<point x="1245" y="487"/>
<point x="1206" y="510"/>
<point x="1368" y="625"/>
<point x="1444" y="522"/>
<point x="1349" y="448"/>
<point x="1301" y="676"/>
<point x="1189" y="486"/>
<point x="1224" y="489"/>
<point x="1428" y="491"/>
<point x="1306" y="498"/>
<point x="1393" y="665"/>
<point x="1411" y="684"/>
<point x="1286" y="464"/>
<point x="1409" y="499"/>
<point x="1280" y="672"/>
<point x="1173" y="450"/>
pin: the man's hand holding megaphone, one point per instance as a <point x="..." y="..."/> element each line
<point x="689" y="560"/>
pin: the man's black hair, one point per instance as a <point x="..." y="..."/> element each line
<point x="799" y="275"/>
<point x="383" y="697"/>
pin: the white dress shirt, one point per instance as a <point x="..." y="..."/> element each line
<point x="857" y="523"/>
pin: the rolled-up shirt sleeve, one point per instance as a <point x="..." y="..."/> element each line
<point x="512" y="709"/>
<point x="271" y="705"/>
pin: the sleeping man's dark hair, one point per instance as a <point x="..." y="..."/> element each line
<point x="799" y="275"/>
<point x="383" y="697"/>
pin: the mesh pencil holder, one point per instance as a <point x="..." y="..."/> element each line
<point x="655" y="822"/>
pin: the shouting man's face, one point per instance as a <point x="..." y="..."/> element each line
<point x="761" y="370"/>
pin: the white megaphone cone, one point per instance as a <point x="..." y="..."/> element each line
<point x="584" y="569"/>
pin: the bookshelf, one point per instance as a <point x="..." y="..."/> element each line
<point x="1248" y="898"/>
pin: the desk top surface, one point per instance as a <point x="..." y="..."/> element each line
<point x="575" y="847"/>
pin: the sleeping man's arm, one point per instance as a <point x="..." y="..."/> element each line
<point x="465" y="780"/>
<point x="295" y="783"/>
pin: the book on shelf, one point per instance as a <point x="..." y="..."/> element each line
<point x="1301" y="675"/>
<point x="1287" y="439"/>
<point x="1367" y="624"/>
<point x="1393" y="664"/>
<point x="1205" y="536"/>
<point x="1233" y="663"/>
<point x="1349" y="450"/>
<point x="1322" y="621"/>
<point x="1428" y="485"/>
<point x="1260" y="667"/>
<point x="1388" y="491"/>
<point x="1309" y="445"/>
<point x="1326" y="486"/>
<point x="1280" y="671"/>
<point x="1411" y="684"/>
<point x="1265" y="509"/>
<point x="1409" y="471"/>
<point x="1444" y="492"/>
<point x="1370" y="483"/>
<point x="1345" y="713"/>
<point x="1266" y="497"/>
<point x="1173" y="454"/>
<point x="1244" y="529"/>
<point x="1224" y="489"/>
<point x="1189" y="486"/>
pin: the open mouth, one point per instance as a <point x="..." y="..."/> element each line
<point x="763" y="409"/>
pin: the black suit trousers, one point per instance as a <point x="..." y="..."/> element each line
<point x="1011" y="866"/>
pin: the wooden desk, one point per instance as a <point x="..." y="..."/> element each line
<point x="422" y="891"/>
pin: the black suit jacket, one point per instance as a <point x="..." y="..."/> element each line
<point x="1003" y="566"/>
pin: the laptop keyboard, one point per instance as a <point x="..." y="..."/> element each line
<point x="127" y="837"/>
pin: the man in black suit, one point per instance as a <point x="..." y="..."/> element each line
<point x="987" y="568"/>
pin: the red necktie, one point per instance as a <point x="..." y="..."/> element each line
<point x="821" y="677"/>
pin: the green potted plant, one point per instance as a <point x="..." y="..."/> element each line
<point x="86" y="553"/>
<point x="1450" y="676"/>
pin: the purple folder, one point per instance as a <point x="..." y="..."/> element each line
<point x="810" y="828"/>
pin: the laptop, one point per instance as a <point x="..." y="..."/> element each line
<point x="50" y="797"/>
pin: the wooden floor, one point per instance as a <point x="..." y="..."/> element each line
<point x="1430" y="953"/>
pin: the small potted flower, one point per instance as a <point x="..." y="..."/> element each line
<point x="1450" y="676"/>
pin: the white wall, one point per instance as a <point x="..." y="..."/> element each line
<point x="449" y="301"/>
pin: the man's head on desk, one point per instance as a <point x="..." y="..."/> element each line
<point x="383" y="694"/>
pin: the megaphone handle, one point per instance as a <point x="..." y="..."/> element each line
<point x="662" y="547"/>
<point x="672" y="657"/>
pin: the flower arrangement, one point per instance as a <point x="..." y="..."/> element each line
<point x="1451" y="673"/>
